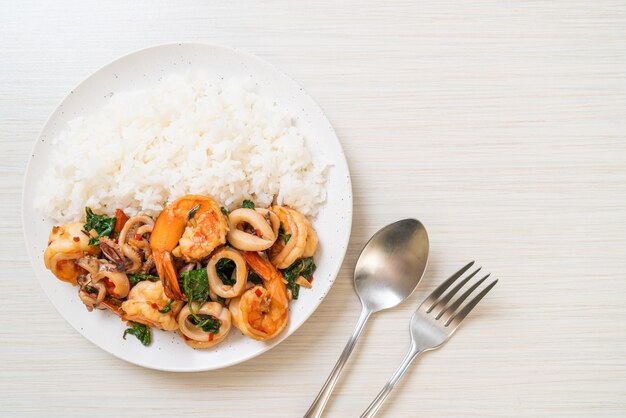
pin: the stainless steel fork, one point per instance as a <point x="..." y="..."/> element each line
<point x="433" y="323"/>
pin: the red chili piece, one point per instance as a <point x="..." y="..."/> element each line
<point x="120" y="220"/>
<point x="109" y="284"/>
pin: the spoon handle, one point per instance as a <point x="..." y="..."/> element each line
<point x="318" y="405"/>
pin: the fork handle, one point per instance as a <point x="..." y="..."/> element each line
<point x="372" y="410"/>
<point x="316" y="409"/>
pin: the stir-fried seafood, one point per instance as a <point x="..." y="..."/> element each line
<point x="196" y="270"/>
<point x="262" y="312"/>
<point x="216" y="284"/>
<point x="205" y="326"/>
<point x="66" y="244"/>
<point x="193" y="225"/>
<point x="295" y="225"/>
<point x="263" y="232"/>
<point x="145" y="302"/>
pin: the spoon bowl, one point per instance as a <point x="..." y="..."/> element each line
<point x="387" y="272"/>
<point x="391" y="265"/>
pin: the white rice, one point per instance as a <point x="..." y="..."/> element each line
<point x="187" y="135"/>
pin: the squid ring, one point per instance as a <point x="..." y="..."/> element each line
<point x="146" y="226"/>
<point x="64" y="266"/>
<point x="90" y="263"/>
<point x="117" y="282"/>
<point x="273" y="218"/>
<point x="193" y="335"/>
<point x="66" y="244"/>
<point x="265" y="235"/>
<point x="216" y="284"/>
<point x="90" y="300"/>
<point x="134" y="257"/>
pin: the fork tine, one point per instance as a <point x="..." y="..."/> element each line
<point x="458" y="318"/>
<point x="449" y="311"/>
<point x="430" y="301"/>
<point x="446" y="298"/>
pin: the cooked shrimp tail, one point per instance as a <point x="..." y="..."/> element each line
<point x="167" y="272"/>
<point x="194" y="224"/>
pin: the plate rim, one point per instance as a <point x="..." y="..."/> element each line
<point x="315" y="303"/>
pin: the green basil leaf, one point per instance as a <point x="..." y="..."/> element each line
<point x="168" y="307"/>
<point x="224" y="211"/>
<point x="207" y="323"/>
<point x="141" y="331"/>
<point x="248" y="204"/>
<point x="281" y="233"/>
<point x="304" y="267"/>
<point x="225" y="268"/>
<point x="255" y="278"/>
<point x="295" y="291"/>
<point x="308" y="267"/>
<point x="103" y="226"/>
<point x="195" y="284"/>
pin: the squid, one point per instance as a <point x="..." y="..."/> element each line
<point x="66" y="244"/>
<point x="190" y="325"/>
<point x="241" y="273"/>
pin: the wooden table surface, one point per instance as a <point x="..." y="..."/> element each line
<point x="500" y="125"/>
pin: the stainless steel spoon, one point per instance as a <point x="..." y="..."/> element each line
<point x="388" y="270"/>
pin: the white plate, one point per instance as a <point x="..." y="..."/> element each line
<point x="142" y="69"/>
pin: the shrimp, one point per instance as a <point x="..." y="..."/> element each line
<point x="261" y="312"/>
<point x="145" y="300"/>
<point x="190" y="326"/>
<point x="66" y="244"/>
<point x="195" y="224"/>
<point x="311" y="240"/>
<point x="296" y="227"/>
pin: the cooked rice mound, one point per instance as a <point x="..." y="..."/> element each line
<point x="188" y="134"/>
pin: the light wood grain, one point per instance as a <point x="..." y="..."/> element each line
<point x="500" y="125"/>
